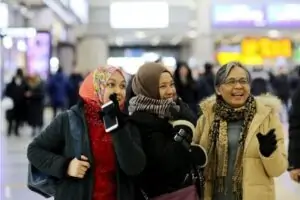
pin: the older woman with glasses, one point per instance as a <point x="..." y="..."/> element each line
<point x="244" y="139"/>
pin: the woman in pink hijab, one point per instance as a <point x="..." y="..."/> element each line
<point x="106" y="160"/>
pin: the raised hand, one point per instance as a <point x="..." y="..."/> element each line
<point x="113" y="98"/>
<point x="114" y="111"/>
<point x="267" y="143"/>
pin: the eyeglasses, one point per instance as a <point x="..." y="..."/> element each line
<point x="232" y="82"/>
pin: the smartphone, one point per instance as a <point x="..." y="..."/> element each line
<point x="110" y="123"/>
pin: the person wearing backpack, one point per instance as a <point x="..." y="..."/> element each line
<point x="105" y="160"/>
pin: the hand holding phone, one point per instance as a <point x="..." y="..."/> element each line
<point x="109" y="116"/>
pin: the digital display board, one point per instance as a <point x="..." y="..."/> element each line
<point x="266" y="47"/>
<point x="238" y="16"/>
<point x="283" y="15"/>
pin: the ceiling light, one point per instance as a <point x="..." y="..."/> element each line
<point x="193" y="24"/>
<point x="19" y="32"/>
<point x="150" y="56"/>
<point x="139" y="15"/>
<point x="192" y="34"/>
<point x="119" y="41"/>
<point x="176" y="40"/>
<point x="155" y="41"/>
<point x="23" y="10"/>
<point x="7" y="42"/>
<point x="273" y="33"/>
<point x="21" y="46"/>
<point x="140" y="34"/>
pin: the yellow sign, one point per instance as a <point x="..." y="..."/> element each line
<point x="255" y="50"/>
<point x="266" y="47"/>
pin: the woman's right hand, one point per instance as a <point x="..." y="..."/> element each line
<point x="199" y="155"/>
<point x="77" y="168"/>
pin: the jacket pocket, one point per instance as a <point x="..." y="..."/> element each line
<point x="255" y="173"/>
<point x="255" y="192"/>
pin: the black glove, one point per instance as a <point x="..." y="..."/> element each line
<point x="187" y="135"/>
<point x="187" y="126"/>
<point x="115" y="111"/>
<point x="184" y="112"/>
<point x="267" y="143"/>
<point x="198" y="155"/>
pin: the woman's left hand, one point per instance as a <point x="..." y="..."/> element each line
<point x="267" y="143"/>
<point x="184" y="112"/>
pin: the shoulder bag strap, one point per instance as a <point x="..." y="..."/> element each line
<point x="76" y="133"/>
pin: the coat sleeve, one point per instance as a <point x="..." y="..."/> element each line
<point x="277" y="163"/>
<point x="294" y="131"/>
<point x="45" y="151"/>
<point x="128" y="148"/>
<point x="133" y="154"/>
<point x="199" y="130"/>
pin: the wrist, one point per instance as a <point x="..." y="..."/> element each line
<point x="66" y="166"/>
<point x="290" y="168"/>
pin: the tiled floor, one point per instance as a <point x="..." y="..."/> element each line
<point x="14" y="171"/>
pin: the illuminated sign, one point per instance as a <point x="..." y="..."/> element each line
<point x="139" y="15"/>
<point x="266" y="47"/>
<point x="237" y="16"/>
<point x="255" y="51"/>
<point x="275" y="15"/>
<point x="18" y="32"/>
<point x="283" y="15"/>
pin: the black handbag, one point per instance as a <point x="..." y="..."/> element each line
<point x="43" y="184"/>
<point x="193" y="188"/>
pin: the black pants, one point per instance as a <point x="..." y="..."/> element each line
<point x="56" y="109"/>
<point x="13" y="124"/>
<point x="35" y="130"/>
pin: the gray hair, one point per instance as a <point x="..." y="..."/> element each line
<point x="224" y="71"/>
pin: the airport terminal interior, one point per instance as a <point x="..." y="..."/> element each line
<point x="70" y="38"/>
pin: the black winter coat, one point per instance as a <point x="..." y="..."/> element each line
<point x="294" y="131"/>
<point x="167" y="160"/>
<point x="52" y="151"/>
<point x="35" y="105"/>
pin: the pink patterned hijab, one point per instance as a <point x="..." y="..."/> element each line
<point x="93" y="86"/>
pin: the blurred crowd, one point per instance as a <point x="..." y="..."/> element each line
<point x="164" y="142"/>
<point x="30" y="94"/>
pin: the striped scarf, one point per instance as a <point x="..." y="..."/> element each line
<point x="154" y="106"/>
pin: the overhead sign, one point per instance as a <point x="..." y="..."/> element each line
<point x="283" y="15"/>
<point x="139" y="15"/>
<point x="238" y="16"/>
<point x="267" y="47"/>
<point x="18" y="32"/>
